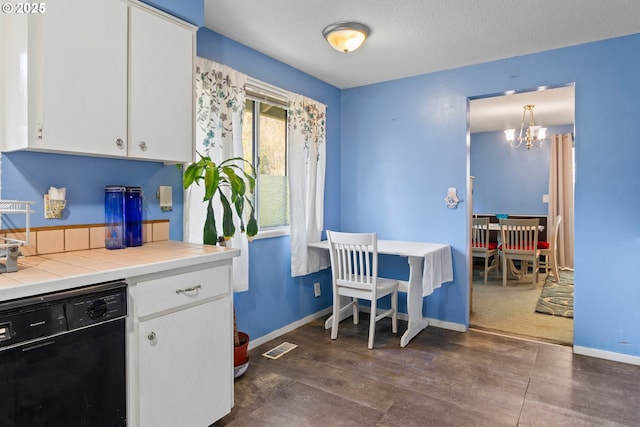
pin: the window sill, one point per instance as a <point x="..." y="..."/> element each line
<point x="273" y="232"/>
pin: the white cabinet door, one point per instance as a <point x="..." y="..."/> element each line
<point x="161" y="88"/>
<point x="186" y="366"/>
<point x="84" y="77"/>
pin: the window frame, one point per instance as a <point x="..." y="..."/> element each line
<point x="261" y="93"/>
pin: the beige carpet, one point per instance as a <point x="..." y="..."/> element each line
<point x="511" y="310"/>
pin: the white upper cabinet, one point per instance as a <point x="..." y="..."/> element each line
<point x="99" y="78"/>
<point x="161" y="88"/>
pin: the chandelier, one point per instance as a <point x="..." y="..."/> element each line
<point x="533" y="136"/>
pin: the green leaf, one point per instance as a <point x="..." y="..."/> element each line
<point x="189" y="175"/>
<point x="228" y="228"/>
<point x="210" y="234"/>
<point x="239" y="205"/>
<point x="211" y="181"/>
<point x="252" y="225"/>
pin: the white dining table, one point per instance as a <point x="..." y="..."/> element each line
<point x="430" y="265"/>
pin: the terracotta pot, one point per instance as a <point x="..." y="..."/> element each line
<point x="240" y="352"/>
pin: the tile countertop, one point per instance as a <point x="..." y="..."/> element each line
<point x="48" y="273"/>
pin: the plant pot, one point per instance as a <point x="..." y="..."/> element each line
<point x="240" y="352"/>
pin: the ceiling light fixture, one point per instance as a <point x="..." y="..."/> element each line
<point x="346" y="36"/>
<point x="534" y="135"/>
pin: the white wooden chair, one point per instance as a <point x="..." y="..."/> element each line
<point x="481" y="246"/>
<point x="520" y="242"/>
<point x="549" y="251"/>
<point x="354" y="267"/>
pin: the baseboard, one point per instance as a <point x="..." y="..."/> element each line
<point x="458" y="327"/>
<point x="608" y="355"/>
<point x="288" y="328"/>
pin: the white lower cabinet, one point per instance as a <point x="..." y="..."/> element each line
<point x="180" y="359"/>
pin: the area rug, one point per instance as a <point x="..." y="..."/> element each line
<point x="556" y="298"/>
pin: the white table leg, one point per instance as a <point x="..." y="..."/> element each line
<point x="414" y="301"/>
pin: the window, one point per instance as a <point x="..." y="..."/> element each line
<point x="264" y="140"/>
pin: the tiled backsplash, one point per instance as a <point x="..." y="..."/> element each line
<point x="49" y="240"/>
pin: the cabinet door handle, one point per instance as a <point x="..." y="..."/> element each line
<point x="119" y="143"/>
<point x="143" y="146"/>
<point x="151" y="336"/>
<point x="193" y="288"/>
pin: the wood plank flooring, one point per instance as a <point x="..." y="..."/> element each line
<point x="442" y="378"/>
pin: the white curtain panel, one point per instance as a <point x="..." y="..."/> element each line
<point x="561" y="196"/>
<point x="307" y="161"/>
<point x="219" y="107"/>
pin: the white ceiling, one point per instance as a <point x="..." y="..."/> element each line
<point x="552" y="107"/>
<point x="411" y="37"/>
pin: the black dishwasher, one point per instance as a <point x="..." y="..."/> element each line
<point x="62" y="358"/>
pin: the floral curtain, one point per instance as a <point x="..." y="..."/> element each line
<point x="307" y="161"/>
<point x="220" y="100"/>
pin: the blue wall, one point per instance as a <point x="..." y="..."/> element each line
<point x="28" y="176"/>
<point x="510" y="180"/>
<point x="405" y="141"/>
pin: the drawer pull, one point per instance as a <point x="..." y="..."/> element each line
<point x="191" y="289"/>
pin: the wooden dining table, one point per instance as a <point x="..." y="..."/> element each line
<point x="430" y="265"/>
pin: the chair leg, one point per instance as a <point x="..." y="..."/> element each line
<point x="356" y="311"/>
<point x="372" y="322"/>
<point x="394" y="319"/>
<point x="336" y="315"/>
<point x="504" y="271"/>
<point x="556" y="273"/>
<point x="486" y="268"/>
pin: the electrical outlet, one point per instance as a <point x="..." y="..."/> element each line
<point x="316" y="289"/>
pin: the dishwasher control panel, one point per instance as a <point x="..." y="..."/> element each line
<point x="47" y="315"/>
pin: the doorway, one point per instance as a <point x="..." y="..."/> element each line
<point x="514" y="180"/>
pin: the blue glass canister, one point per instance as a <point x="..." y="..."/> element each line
<point x="133" y="216"/>
<point x="114" y="217"/>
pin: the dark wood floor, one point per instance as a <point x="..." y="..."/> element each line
<point x="442" y="378"/>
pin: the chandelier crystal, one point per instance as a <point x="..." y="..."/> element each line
<point x="533" y="136"/>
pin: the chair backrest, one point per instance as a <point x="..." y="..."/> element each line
<point x="480" y="234"/>
<point x="354" y="259"/>
<point x="519" y="236"/>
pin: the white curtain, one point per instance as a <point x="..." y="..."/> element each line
<point x="220" y="100"/>
<point x="307" y="161"/>
<point x="561" y="196"/>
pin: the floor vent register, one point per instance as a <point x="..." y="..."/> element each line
<point x="280" y="350"/>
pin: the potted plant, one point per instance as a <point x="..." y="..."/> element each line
<point x="235" y="187"/>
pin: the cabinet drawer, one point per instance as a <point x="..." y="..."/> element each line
<point x="165" y="293"/>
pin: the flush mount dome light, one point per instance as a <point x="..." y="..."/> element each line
<point x="346" y="36"/>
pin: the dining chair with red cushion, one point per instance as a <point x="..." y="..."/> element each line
<point x="520" y="242"/>
<point x="548" y="250"/>
<point x="483" y="248"/>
